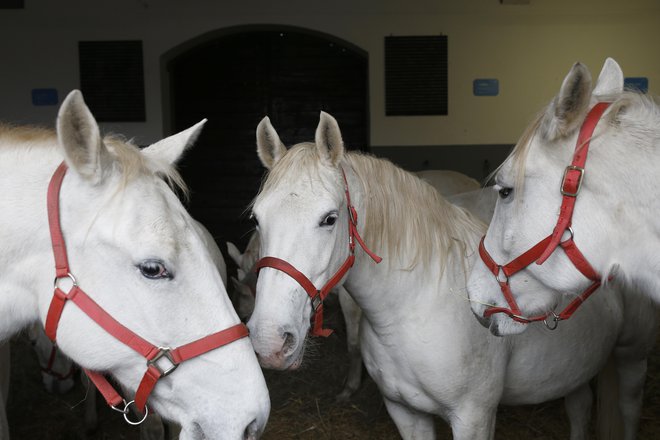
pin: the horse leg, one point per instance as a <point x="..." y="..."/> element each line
<point x="629" y="362"/>
<point x="578" y="408"/>
<point x="631" y="374"/>
<point x="4" y="388"/>
<point x="412" y="424"/>
<point x="352" y="315"/>
<point x="474" y="421"/>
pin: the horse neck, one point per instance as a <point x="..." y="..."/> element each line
<point x="391" y="286"/>
<point x="633" y="244"/>
<point x="26" y="255"/>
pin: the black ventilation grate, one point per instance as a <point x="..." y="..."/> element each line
<point x="112" y="80"/>
<point x="12" y="4"/>
<point x="416" y="75"/>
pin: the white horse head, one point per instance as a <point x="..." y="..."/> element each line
<point x="614" y="222"/>
<point x="137" y="253"/>
<point x="302" y="218"/>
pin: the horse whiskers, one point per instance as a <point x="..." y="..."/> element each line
<point x="468" y="299"/>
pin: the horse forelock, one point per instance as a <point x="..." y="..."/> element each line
<point x="131" y="164"/>
<point x="300" y="158"/>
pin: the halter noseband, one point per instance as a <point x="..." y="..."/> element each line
<point x="150" y="352"/>
<point x="539" y="253"/>
<point x="318" y="296"/>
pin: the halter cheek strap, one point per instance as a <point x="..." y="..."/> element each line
<point x="539" y="253"/>
<point x="153" y="354"/>
<point x="318" y="296"/>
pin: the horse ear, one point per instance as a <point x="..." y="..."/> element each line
<point x="270" y="148"/>
<point x="610" y="80"/>
<point x="172" y="148"/>
<point x="79" y="136"/>
<point x="234" y="253"/>
<point x="568" y="109"/>
<point x="328" y="140"/>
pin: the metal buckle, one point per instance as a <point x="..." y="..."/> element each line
<point x="316" y="301"/>
<point x="163" y="352"/>
<point x="579" y="182"/>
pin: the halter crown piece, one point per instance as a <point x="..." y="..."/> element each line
<point x="539" y="253"/>
<point x="318" y="296"/>
<point x="153" y="354"/>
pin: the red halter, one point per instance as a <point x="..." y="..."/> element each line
<point x="151" y="352"/>
<point x="318" y="296"/>
<point x="570" y="188"/>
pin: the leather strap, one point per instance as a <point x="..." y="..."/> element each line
<point x="573" y="176"/>
<point x="318" y="296"/>
<point x="149" y="351"/>
<point x="570" y="188"/>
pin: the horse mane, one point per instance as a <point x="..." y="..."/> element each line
<point x="129" y="162"/>
<point x="403" y="214"/>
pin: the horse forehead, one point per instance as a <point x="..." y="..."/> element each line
<point x="301" y="197"/>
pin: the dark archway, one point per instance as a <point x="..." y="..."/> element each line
<point x="234" y="78"/>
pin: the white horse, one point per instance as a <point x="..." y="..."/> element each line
<point x="614" y="218"/>
<point x="419" y="340"/>
<point x="57" y="370"/>
<point x="460" y="189"/>
<point x="134" y="249"/>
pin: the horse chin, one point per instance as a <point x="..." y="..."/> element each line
<point x="502" y="325"/>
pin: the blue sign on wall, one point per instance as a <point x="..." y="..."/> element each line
<point x="44" y="97"/>
<point x="639" y="83"/>
<point x="485" y="87"/>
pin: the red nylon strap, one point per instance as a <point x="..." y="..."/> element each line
<point x="570" y="188"/>
<point x="108" y="392"/>
<point x="149" y="351"/>
<point x="209" y="343"/>
<point x="306" y="284"/>
<point x="573" y="176"/>
<point x="59" y="247"/>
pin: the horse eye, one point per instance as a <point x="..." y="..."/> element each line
<point x="505" y="192"/>
<point x="154" y="270"/>
<point x="329" y="220"/>
<point x="254" y="219"/>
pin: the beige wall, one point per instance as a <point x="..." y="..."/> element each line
<point x="528" y="48"/>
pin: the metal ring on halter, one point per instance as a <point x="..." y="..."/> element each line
<point x="555" y="319"/>
<point x="501" y="271"/>
<point x="130" y="422"/>
<point x="70" y="276"/>
<point x="570" y="231"/>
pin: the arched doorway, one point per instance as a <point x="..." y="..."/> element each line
<point x="236" y="77"/>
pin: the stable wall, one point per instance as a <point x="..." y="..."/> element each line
<point x="529" y="48"/>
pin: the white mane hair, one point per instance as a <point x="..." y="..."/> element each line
<point x="400" y="211"/>
<point x="128" y="160"/>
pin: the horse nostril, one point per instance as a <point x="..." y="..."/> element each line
<point x="289" y="345"/>
<point x="252" y="431"/>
